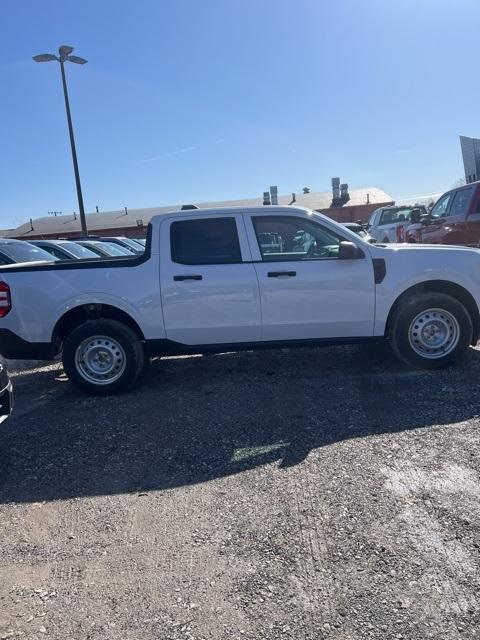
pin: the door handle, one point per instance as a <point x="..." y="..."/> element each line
<point x="192" y="277"/>
<point x="278" y="274"/>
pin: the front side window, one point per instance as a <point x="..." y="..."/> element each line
<point x="440" y="210"/>
<point x="205" y="241"/>
<point x="292" y="238"/>
<point x="461" y="202"/>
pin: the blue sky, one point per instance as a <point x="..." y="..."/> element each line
<point x="194" y="100"/>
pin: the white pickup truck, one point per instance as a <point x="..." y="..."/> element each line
<point x="215" y="280"/>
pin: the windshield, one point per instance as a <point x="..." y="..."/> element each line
<point x="133" y="244"/>
<point x="112" y="249"/>
<point x="25" y="252"/>
<point x="78" y="250"/>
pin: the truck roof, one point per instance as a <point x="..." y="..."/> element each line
<point x="219" y="211"/>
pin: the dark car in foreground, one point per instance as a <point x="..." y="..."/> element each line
<point x="6" y="394"/>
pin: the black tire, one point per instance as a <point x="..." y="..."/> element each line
<point x="124" y="342"/>
<point x="455" y="322"/>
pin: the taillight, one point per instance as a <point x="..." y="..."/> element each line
<point x="5" y="300"/>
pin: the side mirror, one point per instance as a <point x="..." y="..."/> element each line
<point x="349" y="251"/>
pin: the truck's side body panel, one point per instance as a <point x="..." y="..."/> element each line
<point x="238" y="301"/>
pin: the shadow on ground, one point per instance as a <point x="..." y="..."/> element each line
<point x="196" y="419"/>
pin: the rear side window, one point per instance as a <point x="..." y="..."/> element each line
<point x="206" y="241"/>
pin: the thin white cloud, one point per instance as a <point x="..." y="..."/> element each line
<point x="170" y="154"/>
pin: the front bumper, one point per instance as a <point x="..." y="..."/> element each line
<point x="6" y="402"/>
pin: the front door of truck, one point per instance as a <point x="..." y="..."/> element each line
<point x="307" y="291"/>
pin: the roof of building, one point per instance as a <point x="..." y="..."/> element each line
<point x="68" y="223"/>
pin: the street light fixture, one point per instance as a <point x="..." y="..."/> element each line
<point x="64" y="56"/>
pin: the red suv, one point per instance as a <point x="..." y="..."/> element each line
<point x="455" y="219"/>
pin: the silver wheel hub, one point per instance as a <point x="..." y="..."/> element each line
<point x="434" y="333"/>
<point x="100" y="360"/>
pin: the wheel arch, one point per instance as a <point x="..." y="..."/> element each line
<point x="95" y="311"/>
<point x="440" y="286"/>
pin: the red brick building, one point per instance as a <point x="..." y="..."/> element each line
<point x="133" y="222"/>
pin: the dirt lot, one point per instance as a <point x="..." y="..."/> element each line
<point x="286" y="494"/>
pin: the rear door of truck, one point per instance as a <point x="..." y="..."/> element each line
<point x="210" y="292"/>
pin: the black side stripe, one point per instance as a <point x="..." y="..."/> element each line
<point x="379" y="269"/>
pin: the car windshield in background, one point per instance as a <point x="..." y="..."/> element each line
<point x="392" y="216"/>
<point x="79" y="250"/>
<point x="25" y="252"/>
<point x="135" y="246"/>
<point x="113" y="249"/>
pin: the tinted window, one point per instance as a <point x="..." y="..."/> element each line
<point x="285" y="238"/>
<point x="461" y="202"/>
<point x="206" y="241"/>
<point x="25" y="252"/>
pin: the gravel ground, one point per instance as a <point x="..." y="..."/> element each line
<point x="309" y="494"/>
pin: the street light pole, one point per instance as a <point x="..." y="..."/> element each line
<point x="64" y="55"/>
<point x="81" y="209"/>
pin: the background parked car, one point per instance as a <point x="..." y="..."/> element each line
<point x="360" y="230"/>
<point x="454" y="219"/>
<point x="106" y="249"/>
<point x="390" y="224"/>
<point x="65" y="250"/>
<point x="6" y="394"/>
<point x="13" y="251"/>
<point x="127" y="243"/>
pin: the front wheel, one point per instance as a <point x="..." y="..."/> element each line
<point x="103" y="357"/>
<point x="431" y="331"/>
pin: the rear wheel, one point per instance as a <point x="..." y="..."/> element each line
<point x="103" y="357"/>
<point x="431" y="331"/>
